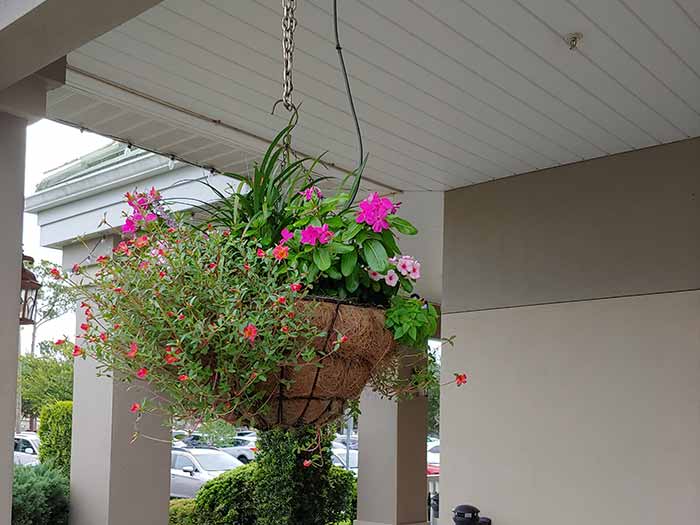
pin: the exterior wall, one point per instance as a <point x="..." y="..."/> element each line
<point x="574" y="296"/>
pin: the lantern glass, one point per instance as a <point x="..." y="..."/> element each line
<point x="29" y="292"/>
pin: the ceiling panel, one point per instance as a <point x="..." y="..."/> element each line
<point x="449" y="92"/>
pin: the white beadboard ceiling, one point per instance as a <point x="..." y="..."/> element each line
<point x="449" y="92"/>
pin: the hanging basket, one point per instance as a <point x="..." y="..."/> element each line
<point x="317" y="395"/>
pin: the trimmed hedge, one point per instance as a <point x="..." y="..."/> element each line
<point x="55" y="434"/>
<point x="182" y="512"/>
<point x="40" y="496"/>
<point x="234" y="499"/>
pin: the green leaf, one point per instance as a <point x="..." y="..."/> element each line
<point x="341" y="248"/>
<point x="322" y="258"/>
<point x="348" y="262"/>
<point x="375" y="255"/>
<point x="406" y="285"/>
<point x="333" y="273"/>
<point x="390" y="243"/>
<point x="402" y="225"/>
<point x="352" y="281"/>
<point x="352" y="230"/>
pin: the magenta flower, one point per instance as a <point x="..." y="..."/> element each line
<point x="324" y="234"/>
<point x="286" y="236"/>
<point x="309" y="193"/>
<point x="129" y="225"/>
<point x="309" y="235"/>
<point x="374" y="210"/>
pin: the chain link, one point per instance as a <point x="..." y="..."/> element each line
<point x="289" y="24"/>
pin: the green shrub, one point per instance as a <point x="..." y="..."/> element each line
<point x="55" y="434"/>
<point x="40" y="496"/>
<point x="342" y="498"/>
<point x="229" y="498"/>
<point x="182" y="512"/>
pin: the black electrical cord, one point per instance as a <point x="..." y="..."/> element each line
<point x="358" y="171"/>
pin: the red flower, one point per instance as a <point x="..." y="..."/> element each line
<point x="59" y="342"/>
<point x="143" y="265"/>
<point x="143" y="372"/>
<point x="307" y="463"/>
<point x="170" y="314"/>
<point x="118" y="289"/>
<point x="261" y="253"/>
<point x="117" y="326"/>
<point x="181" y="317"/>
<point x="212" y="266"/>
<point x="285" y="329"/>
<point x="296" y="287"/>
<point x="226" y="233"/>
<point x="282" y="300"/>
<point x="141" y="242"/>
<point x="122" y="247"/>
<point x="183" y="377"/>
<point x="103" y="337"/>
<point x="102" y="259"/>
<point x="55" y="273"/>
<point x="135" y="407"/>
<point x="133" y="350"/>
<point x="246" y="267"/>
<point x="171" y="230"/>
<point x="461" y="379"/>
<point x="280" y="252"/>
<point x="170" y="359"/>
<point x="77" y="351"/>
<point x="84" y="327"/>
<point x="88" y="313"/>
<point x="343" y="339"/>
<point x="161" y="274"/>
<point x="291" y="315"/>
<point x="253" y="375"/>
<point x="250" y="332"/>
<point x="76" y="268"/>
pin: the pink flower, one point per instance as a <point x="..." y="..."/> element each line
<point x="261" y="253"/>
<point x="324" y="234"/>
<point x="282" y="300"/>
<point x="307" y="463"/>
<point x="183" y="377"/>
<point x="135" y="407"/>
<point x="142" y="241"/>
<point x="405" y="265"/>
<point x="309" y="235"/>
<point x="295" y="287"/>
<point x="129" y="225"/>
<point x="212" y="266"/>
<point x="415" y="272"/>
<point x="391" y="278"/>
<point x="103" y="337"/>
<point x="375" y="276"/>
<point x="309" y="193"/>
<point x="55" y="273"/>
<point x="150" y="217"/>
<point x="142" y="372"/>
<point x="133" y="350"/>
<point x="286" y="236"/>
<point x="374" y="210"/>
<point x="77" y="351"/>
<point x="280" y="252"/>
<point x="143" y="265"/>
<point x="59" y="342"/>
<point x="250" y="332"/>
<point x="170" y="358"/>
<point x="76" y="268"/>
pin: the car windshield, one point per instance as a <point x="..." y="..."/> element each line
<point x="217" y="461"/>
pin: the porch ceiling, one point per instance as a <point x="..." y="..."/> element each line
<point x="449" y="92"/>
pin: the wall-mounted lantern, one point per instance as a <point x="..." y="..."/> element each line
<point x="28" y="293"/>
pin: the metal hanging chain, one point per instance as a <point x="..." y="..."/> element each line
<point x="289" y="24"/>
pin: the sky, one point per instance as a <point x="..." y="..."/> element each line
<point x="50" y="145"/>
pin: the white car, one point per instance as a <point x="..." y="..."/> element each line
<point x="190" y="468"/>
<point x="434" y="452"/>
<point x="242" y="448"/>
<point x="26" y="449"/>
<point x="339" y="457"/>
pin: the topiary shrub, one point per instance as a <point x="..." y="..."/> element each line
<point x="229" y="499"/>
<point x="182" y="512"/>
<point x="40" y="496"/>
<point x="55" y="434"/>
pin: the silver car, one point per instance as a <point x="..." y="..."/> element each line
<point x="241" y="448"/>
<point x="26" y="451"/>
<point x="190" y="468"/>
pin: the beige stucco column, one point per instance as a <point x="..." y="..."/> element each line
<point x="12" y="150"/>
<point x="392" y="484"/>
<point x="113" y="481"/>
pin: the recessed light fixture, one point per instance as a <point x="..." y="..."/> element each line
<point x="573" y="40"/>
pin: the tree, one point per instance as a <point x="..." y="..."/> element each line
<point x="55" y="433"/>
<point x="54" y="299"/>
<point x="45" y="379"/>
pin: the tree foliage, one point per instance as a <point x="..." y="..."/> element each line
<point x="39" y="496"/>
<point x="45" y="378"/>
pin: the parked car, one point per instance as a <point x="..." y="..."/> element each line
<point x="190" y="468"/>
<point x="434" y="452"/>
<point x="339" y="457"/>
<point x="26" y="449"/>
<point x="242" y="448"/>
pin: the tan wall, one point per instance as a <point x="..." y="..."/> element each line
<point x="586" y="408"/>
<point x="576" y="413"/>
<point x="621" y="225"/>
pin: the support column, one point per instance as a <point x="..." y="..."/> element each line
<point x="392" y="483"/>
<point x="12" y="151"/>
<point x="114" y="481"/>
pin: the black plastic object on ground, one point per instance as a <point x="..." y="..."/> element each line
<point x="468" y="515"/>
